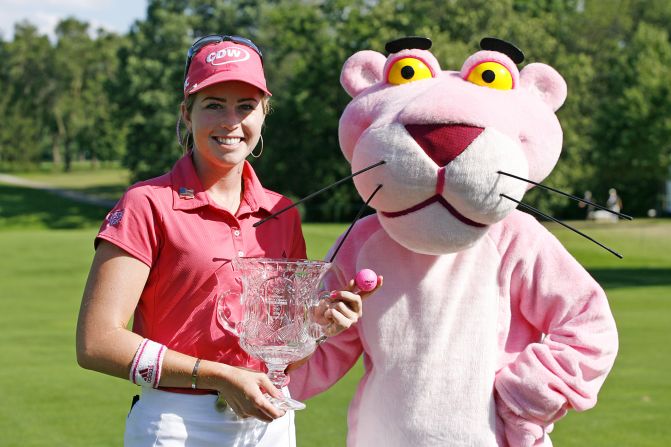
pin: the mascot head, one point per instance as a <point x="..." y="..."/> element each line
<point x="445" y="135"/>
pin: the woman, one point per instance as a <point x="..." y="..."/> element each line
<point x="163" y="256"/>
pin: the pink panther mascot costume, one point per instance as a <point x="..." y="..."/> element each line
<point x="486" y="330"/>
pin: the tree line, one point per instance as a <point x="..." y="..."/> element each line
<point x="98" y="96"/>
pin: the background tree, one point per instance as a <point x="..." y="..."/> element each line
<point x="633" y="133"/>
<point x="72" y="56"/>
<point x="4" y="101"/>
<point x="149" y="86"/>
<point x="28" y="61"/>
<point x="105" y="96"/>
<point x="103" y="137"/>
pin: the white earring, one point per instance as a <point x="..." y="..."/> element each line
<point x="261" y="151"/>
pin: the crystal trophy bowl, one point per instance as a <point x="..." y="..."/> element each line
<point x="278" y="300"/>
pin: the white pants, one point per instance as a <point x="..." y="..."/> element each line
<point x="166" y="419"/>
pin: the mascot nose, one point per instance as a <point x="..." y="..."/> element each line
<point x="443" y="142"/>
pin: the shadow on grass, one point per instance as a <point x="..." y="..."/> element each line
<point x="110" y="192"/>
<point x="628" y="277"/>
<point x="26" y="207"/>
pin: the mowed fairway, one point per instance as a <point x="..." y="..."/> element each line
<point x="48" y="400"/>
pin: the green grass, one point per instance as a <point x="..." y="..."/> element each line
<point x="31" y="208"/>
<point x="48" y="400"/>
<point x="320" y="237"/>
<point x="105" y="182"/>
<point x="28" y="208"/>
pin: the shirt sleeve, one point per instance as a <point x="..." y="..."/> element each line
<point x="332" y="359"/>
<point x="337" y="355"/>
<point x="134" y="225"/>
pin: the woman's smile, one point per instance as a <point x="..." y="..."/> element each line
<point x="228" y="141"/>
<point x="226" y="121"/>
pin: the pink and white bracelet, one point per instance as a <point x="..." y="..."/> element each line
<point x="145" y="369"/>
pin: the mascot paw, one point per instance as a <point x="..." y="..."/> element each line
<point x="519" y="432"/>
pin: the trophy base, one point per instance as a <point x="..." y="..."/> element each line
<point x="286" y="403"/>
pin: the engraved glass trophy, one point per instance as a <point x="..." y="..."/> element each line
<point x="278" y="300"/>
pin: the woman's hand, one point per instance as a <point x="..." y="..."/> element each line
<point x="338" y="312"/>
<point x="243" y="390"/>
<point x="343" y="308"/>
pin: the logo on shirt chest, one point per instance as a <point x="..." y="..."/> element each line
<point x="185" y="193"/>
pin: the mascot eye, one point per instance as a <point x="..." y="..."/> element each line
<point x="492" y="75"/>
<point x="407" y="70"/>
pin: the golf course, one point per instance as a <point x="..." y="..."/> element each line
<point x="46" y="247"/>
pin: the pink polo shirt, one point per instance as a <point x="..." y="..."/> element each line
<point x="188" y="241"/>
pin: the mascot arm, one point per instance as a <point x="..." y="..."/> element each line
<point x="330" y="362"/>
<point x="553" y="295"/>
<point x="335" y="357"/>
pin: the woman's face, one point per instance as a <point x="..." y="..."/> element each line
<point x="225" y="122"/>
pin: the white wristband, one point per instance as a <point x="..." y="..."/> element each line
<point x="145" y="369"/>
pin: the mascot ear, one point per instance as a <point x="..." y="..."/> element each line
<point x="362" y="70"/>
<point x="546" y="82"/>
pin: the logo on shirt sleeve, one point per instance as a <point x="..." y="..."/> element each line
<point x="114" y="218"/>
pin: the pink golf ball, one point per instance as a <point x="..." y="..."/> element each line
<point x="366" y="280"/>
